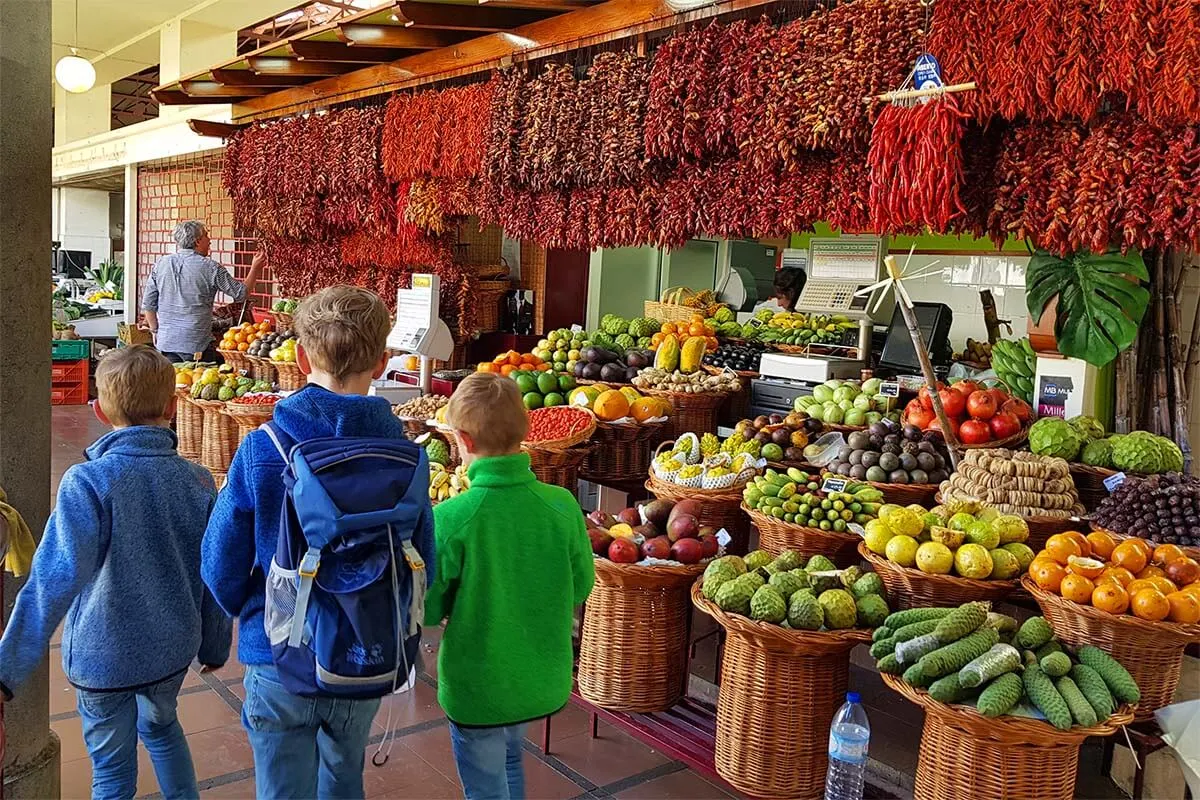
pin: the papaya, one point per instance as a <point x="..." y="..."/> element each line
<point x="667" y="357"/>
<point x="691" y="354"/>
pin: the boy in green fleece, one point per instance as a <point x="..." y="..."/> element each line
<point x="513" y="562"/>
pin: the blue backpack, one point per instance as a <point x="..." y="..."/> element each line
<point x="345" y="593"/>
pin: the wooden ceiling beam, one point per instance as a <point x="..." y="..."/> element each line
<point x="482" y="18"/>
<point x="244" y="77"/>
<point x="215" y="89"/>
<point x="177" y="97"/>
<point x="219" y="130"/>
<point x="344" y="53"/>
<point x="275" y="65"/>
<point x="550" y="5"/>
<point x="358" y="34"/>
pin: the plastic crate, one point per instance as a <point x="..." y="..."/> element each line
<point x="70" y="349"/>
<point x="64" y="374"/>
<point x="74" y="395"/>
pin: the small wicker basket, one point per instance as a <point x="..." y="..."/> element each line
<point x="694" y="413"/>
<point x="248" y="417"/>
<point x="776" y="535"/>
<point x="290" y="378"/>
<point x="189" y="425"/>
<point x="621" y="452"/>
<point x="779" y="691"/>
<point x="719" y="508"/>
<point x="965" y="754"/>
<point x="1151" y="651"/>
<point x="633" y="651"/>
<point x="488" y="295"/>
<point x="261" y="369"/>
<point x="558" y="467"/>
<point x="283" y="321"/>
<point x="567" y="442"/>
<point x="220" y="438"/>
<point x="237" y="360"/>
<point x="911" y="588"/>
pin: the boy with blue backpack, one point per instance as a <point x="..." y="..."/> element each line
<point x="321" y="543"/>
<point x="514" y="562"/>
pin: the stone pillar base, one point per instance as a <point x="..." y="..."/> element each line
<point x="39" y="779"/>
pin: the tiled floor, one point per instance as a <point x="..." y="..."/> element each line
<point x="421" y="763"/>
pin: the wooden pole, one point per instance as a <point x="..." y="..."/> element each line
<point x="914" y="331"/>
<point x="1179" y="388"/>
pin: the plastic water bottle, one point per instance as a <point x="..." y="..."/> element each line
<point x="849" y="738"/>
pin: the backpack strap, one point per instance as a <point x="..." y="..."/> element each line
<point x="277" y="436"/>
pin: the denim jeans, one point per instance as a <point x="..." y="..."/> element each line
<point x="489" y="761"/>
<point x="304" y="746"/>
<point x="112" y="722"/>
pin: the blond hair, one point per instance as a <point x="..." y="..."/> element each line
<point x="343" y="329"/>
<point x="135" y="385"/>
<point x="488" y="408"/>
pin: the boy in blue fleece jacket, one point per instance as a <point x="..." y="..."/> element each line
<point x="120" y="559"/>
<point x="303" y="747"/>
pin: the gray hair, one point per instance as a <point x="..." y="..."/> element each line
<point x="188" y="233"/>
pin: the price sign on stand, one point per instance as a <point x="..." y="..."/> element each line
<point x="889" y="389"/>
<point x="1113" y="481"/>
<point x="832" y="484"/>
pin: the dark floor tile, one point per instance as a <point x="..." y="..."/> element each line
<point x="237" y="790"/>
<point x="406" y="775"/>
<point x="611" y="756"/>
<point x="682" y="785"/>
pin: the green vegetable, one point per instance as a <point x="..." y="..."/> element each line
<point x="1093" y="688"/>
<point x="949" y="690"/>
<point x="1056" y="664"/>
<point x="960" y="622"/>
<point x="883" y="647"/>
<point x="1001" y="658"/>
<point x="1001" y="622"/>
<point x="1081" y="710"/>
<point x="911" y="651"/>
<point x="1034" y="633"/>
<point x="1116" y="678"/>
<point x="915" y="676"/>
<point x="955" y="656"/>
<point x="881" y="633"/>
<point x="1052" y="646"/>
<point x="889" y="665"/>
<point x="901" y="618"/>
<point x="1000" y="696"/>
<point x="1041" y="692"/>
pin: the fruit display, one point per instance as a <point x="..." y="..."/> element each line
<point x="1137" y="452"/>
<point x="618" y="334"/>
<point x="220" y="384"/>
<point x="794" y="328"/>
<point x="597" y="364"/>
<point x="512" y="361"/>
<point x="557" y="422"/>
<point x="655" y="531"/>
<point x="850" y="403"/>
<point x="437" y="448"/>
<point x="561" y="349"/>
<point x="796" y="592"/>
<point x="968" y="656"/>
<point x="97" y="296"/>
<point x="795" y="497"/>
<point x="975" y="352"/>
<point x="1164" y="509"/>
<point x="424" y="407"/>
<point x="703" y="462"/>
<point x="1129" y="576"/>
<point x="978" y="415"/>
<point x="685" y="383"/>
<point x="680" y="332"/>
<point x="1015" y="362"/>
<point x="619" y="405"/>
<point x="780" y="438"/>
<point x="246" y="336"/>
<point x="279" y="347"/>
<point x="1019" y="483"/>
<point x="285" y="306"/>
<point x="737" y="356"/>
<point x="265" y="398"/>
<point x="189" y="372"/>
<point x="966" y="540"/>
<point x="445" y="483"/>
<point x="887" y="452"/>
<point x="542" y="387"/>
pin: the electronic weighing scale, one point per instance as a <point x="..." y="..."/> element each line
<point x="418" y="330"/>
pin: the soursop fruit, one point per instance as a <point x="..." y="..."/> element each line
<point x="1053" y="436"/>
<point x="1138" y="452"/>
<point x="839" y="609"/>
<point x="768" y="605"/>
<point x="872" y="610"/>
<point x="804" y="612"/>
<point x="1097" y="453"/>
<point x="1088" y="428"/>
<point x="788" y="583"/>
<point x="734" y="596"/>
<point x="758" y="558"/>
<point x="437" y="451"/>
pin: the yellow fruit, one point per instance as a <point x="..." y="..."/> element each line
<point x="645" y="408"/>
<point x="611" y="405"/>
<point x="691" y="354"/>
<point x="1087" y="567"/>
<point x="631" y="394"/>
<point x="1185" y="608"/>
<point x="667" y="357"/>
<point x="1150" y="604"/>
<point x="621" y="529"/>
<point x="583" y="396"/>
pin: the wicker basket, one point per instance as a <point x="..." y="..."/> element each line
<point x="779" y="691"/>
<point x="567" y="442"/>
<point x="911" y="588"/>
<point x="1042" y="528"/>
<point x="237" y="360"/>
<point x="283" y="322"/>
<point x="965" y="754"/>
<point x="290" y="378"/>
<point x="719" y="508"/>
<point x="694" y="413"/>
<point x="261" y="369"/>
<point x="668" y="312"/>
<point x="1089" y="482"/>
<point x="1151" y="651"/>
<point x="621" y="452"/>
<point x="775" y="536"/>
<point x="1190" y="552"/>
<point x="189" y="425"/>
<point x="219" y="478"/>
<point x="488" y="295"/>
<point x="558" y="467"/>
<point x="633" y="651"/>
<point x="248" y="417"/>
<point x="220" y="439"/>
<point x="1009" y="442"/>
<point x="904" y="494"/>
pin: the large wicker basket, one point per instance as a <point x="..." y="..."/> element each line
<point x="220" y="439"/>
<point x="248" y="417"/>
<point x="779" y="691"/>
<point x="695" y="413"/>
<point x="907" y="494"/>
<point x="189" y="425"/>
<point x="775" y="536"/>
<point x="911" y="588"/>
<point x="558" y="467"/>
<point x="621" y="452"/>
<point x="488" y="295"/>
<point x="237" y="360"/>
<point x="261" y="369"/>
<point x="719" y="508"/>
<point x="1151" y="651"/>
<point x="290" y="378"/>
<point x="633" y="651"/>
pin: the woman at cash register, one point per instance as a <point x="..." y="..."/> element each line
<point x="789" y="282"/>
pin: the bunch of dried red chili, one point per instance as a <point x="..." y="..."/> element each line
<point x="437" y="133"/>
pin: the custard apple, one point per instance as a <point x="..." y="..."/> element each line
<point x="613" y="325"/>
<point x="733" y="564"/>
<point x="820" y="563"/>
<point x="804" y="612"/>
<point x="625" y="341"/>
<point x="644" y="327"/>
<point x="768" y="605"/>
<point x="1098" y="453"/>
<point x="734" y="596"/>
<point x="789" y="560"/>
<point x="644" y="342"/>
<point x="714" y="582"/>
<point x="604" y="340"/>
<point x="1171" y="454"/>
<point x="788" y="583"/>
<point x="1053" y="436"/>
<point x="867" y="585"/>
<point x="437" y="452"/>
<point x="1088" y="428"/>
<point x="758" y="558"/>
<point x="1138" y="452"/>
<point x="839" y="608"/>
<point x="872" y="611"/>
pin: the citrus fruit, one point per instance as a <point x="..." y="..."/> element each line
<point x="1130" y="555"/>
<point x="1102" y="544"/>
<point x="1166" y="553"/>
<point x="611" y="405"/>
<point x="532" y="400"/>
<point x="1084" y="544"/>
<point x="1150" y="604"/>
<point x="553" y="399"/>
<point x="1062" y="546"/>
<point x="1111" y="597"/>
<point x="1087" y="567"/>
<point x="526" y="383"/>
<point x="1183" y="571"/>
<point x="1077" y="589"/>
<point x="900" y="550"/>
<point x="1047" y="574"/>
<point x="566" y="383"/>
<point x="547" y="382"/>
<point x="1122" y="576"/>
<point x="1184" y="608"/>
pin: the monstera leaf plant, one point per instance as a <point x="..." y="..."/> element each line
<point x="1101" y="300"/>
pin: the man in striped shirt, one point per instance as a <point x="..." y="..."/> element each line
<point x="178" y="300"/>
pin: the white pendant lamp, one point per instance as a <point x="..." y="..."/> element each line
<point x="75" y="73"/>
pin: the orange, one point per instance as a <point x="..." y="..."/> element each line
<point x="501" y="359"/>
<point x="697" y="319"/>
<point x="1165" y="553"/>
<point x="1087" y="567"/>
<point x="1150" y="604"/>
<point x="695" y="329"/>
<point x="611" y="405"/>
<point x="1110" y="597"/>
<point x="667" y="327"/>
<point x="486" y="366"/>
<point x="656" y="339"/>
<point x="644" y="408"/>
<point x="1084" y="544"/>
<point x="1047" y="574"/>
<point x="1061" y="547"/>
<point x="1102" y="544"/>
<point x="513" y="357"/>
<point x="1185" y="608"/>
<point x="243" y="346"/>
<point x="507" y="369"/>
<point x="1150" y="571"/>
<point x="1130" y="555"/>
<point x="543" y="367"/>
<point x="1119" y="574"/>
<point x="1077" y="588"/>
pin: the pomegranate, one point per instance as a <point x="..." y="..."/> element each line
<point x="953" y="402"/>
<point x="1018" y="407"/>
<point x="999" y="395"/>
<point x="974" y="431"/>
<point x="981" y="405"/>
<point x="1004" y="424"/>
<point x="965" y="387"/>
<point x="926" y="398"/>
<point x="921" y="417"/>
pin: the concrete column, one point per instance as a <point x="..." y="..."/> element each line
<point x="32" y="756"/>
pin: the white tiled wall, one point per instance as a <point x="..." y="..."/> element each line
<point x="957" y="280"/>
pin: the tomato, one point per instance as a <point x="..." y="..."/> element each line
<point x="953" y="402"/>
<point x="1019" y="408"/>
<point x="1004" y="424"/>
<point x="965" y="387"/>
<point x="981" y="405"/>
<point x="974" y="431"/>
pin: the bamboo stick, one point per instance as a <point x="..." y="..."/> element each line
<point x="1125" y="401"/>
<point x="1159" y="410"/>
<point x="914" y="94"/>
<point x="1179" y="386"/>
<point x="1193" y="351"/>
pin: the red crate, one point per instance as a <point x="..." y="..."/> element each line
<point x="73" y="395"/>
<point x="68" y="373"/>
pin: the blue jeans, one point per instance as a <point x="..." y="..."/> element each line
<point x="304" y="746"/>
<point x="489" y="761"/>
<point x="112" y="722"/>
